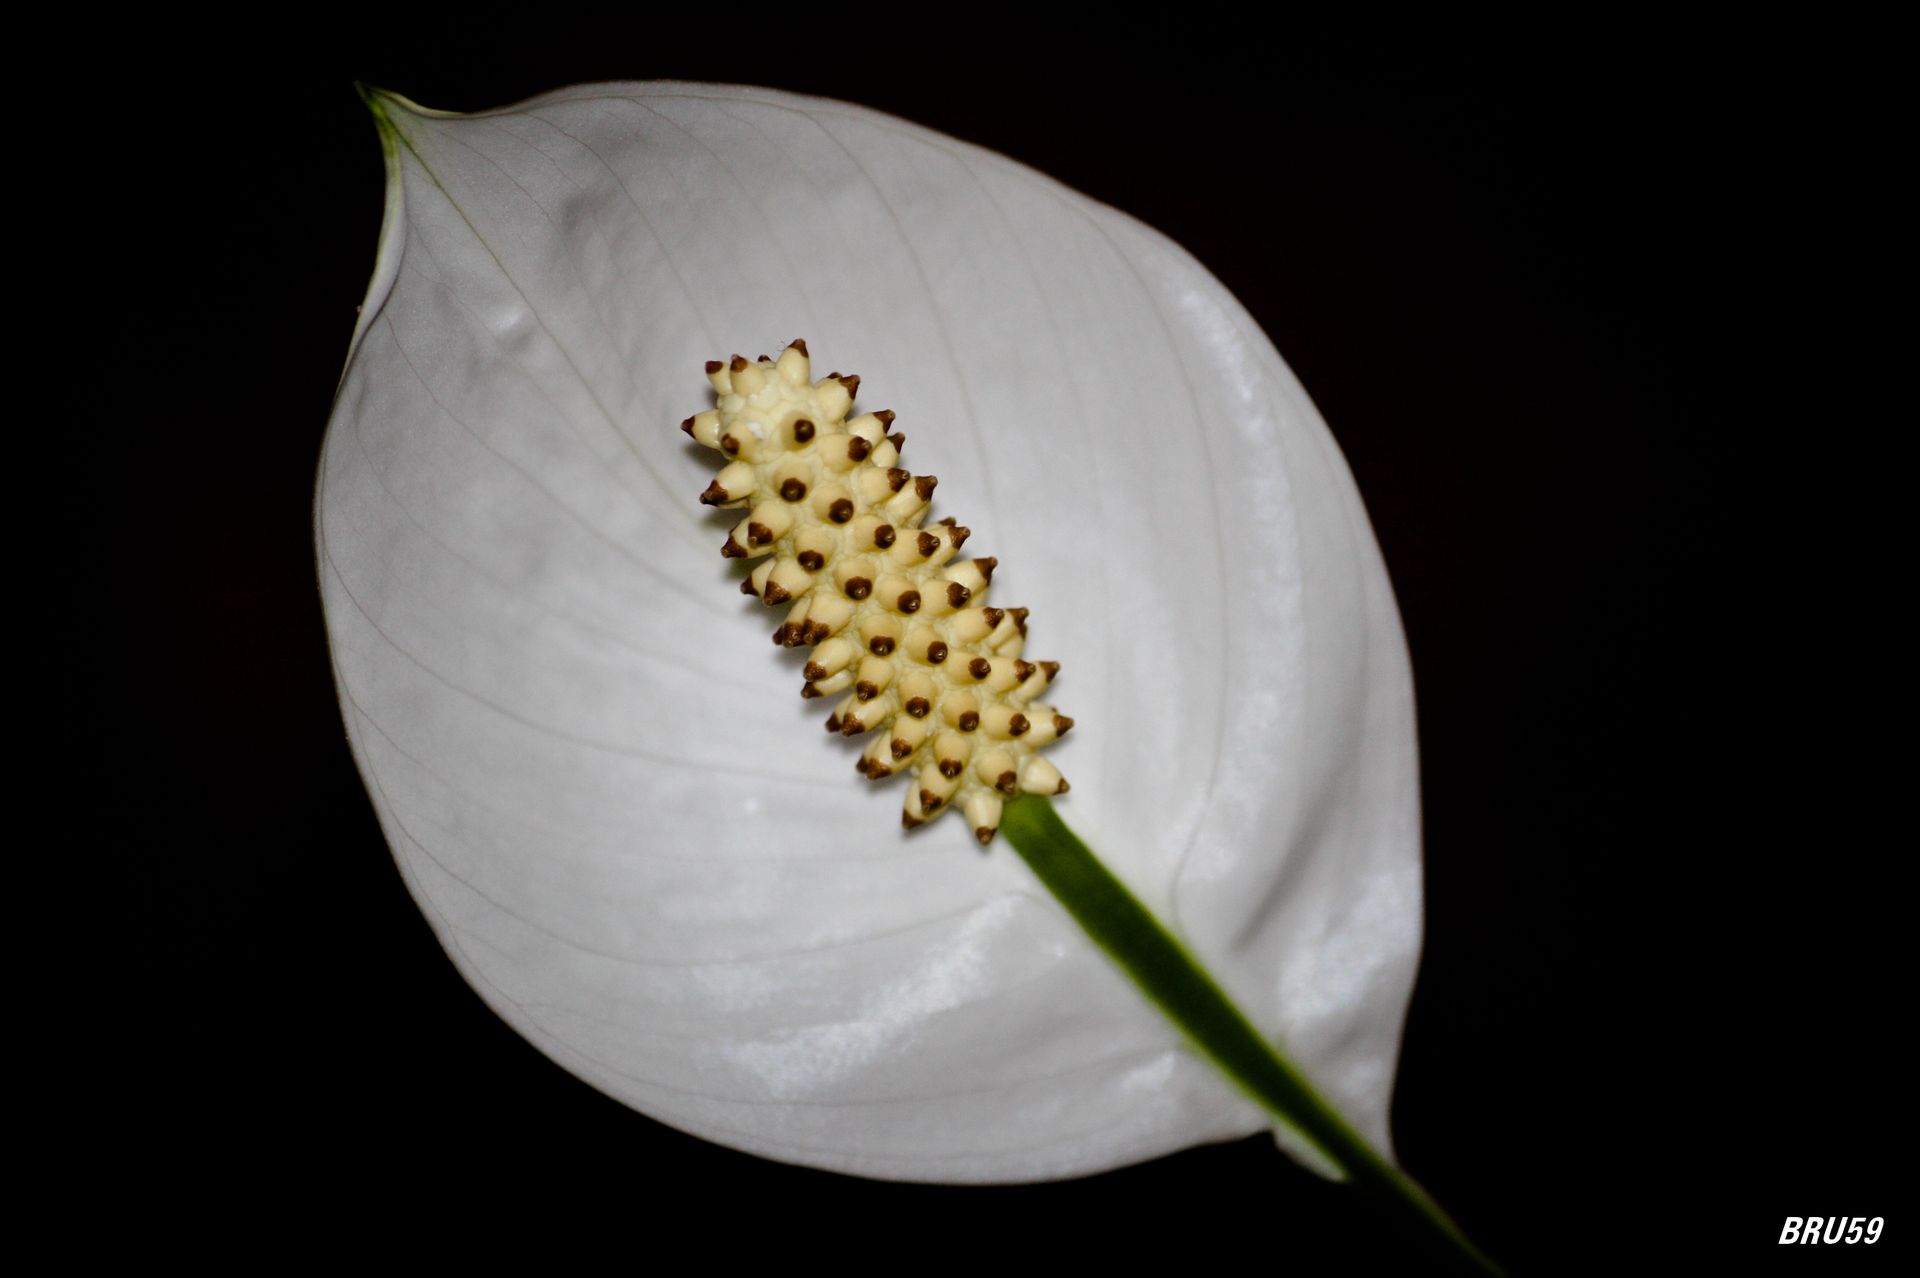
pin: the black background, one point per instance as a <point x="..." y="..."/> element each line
<point x="1562" y="315"/>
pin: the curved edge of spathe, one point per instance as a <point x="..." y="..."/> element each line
<point x="393" y="217"/>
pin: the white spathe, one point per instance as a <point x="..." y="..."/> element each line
<point x="626" y="827"/>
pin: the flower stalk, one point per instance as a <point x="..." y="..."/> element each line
<point x="1181" y="988"/>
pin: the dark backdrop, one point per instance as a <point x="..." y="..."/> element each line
<point x="1552" y="310"/>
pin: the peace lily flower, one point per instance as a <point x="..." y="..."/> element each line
<point x="630" y="835"/>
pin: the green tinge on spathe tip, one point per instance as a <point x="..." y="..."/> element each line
<point x="1163" y="969"/>
<point x="389" y="135"/>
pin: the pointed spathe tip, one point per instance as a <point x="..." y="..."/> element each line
<point x="383" y="102"/>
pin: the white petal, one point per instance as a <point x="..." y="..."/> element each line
<point x="629" y="832"/>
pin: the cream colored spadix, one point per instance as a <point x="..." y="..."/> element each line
<point x="826" y="498"/>
<point x="633" y="840"/>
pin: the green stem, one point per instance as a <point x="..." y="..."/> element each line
<point x="1174" y="980"/>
